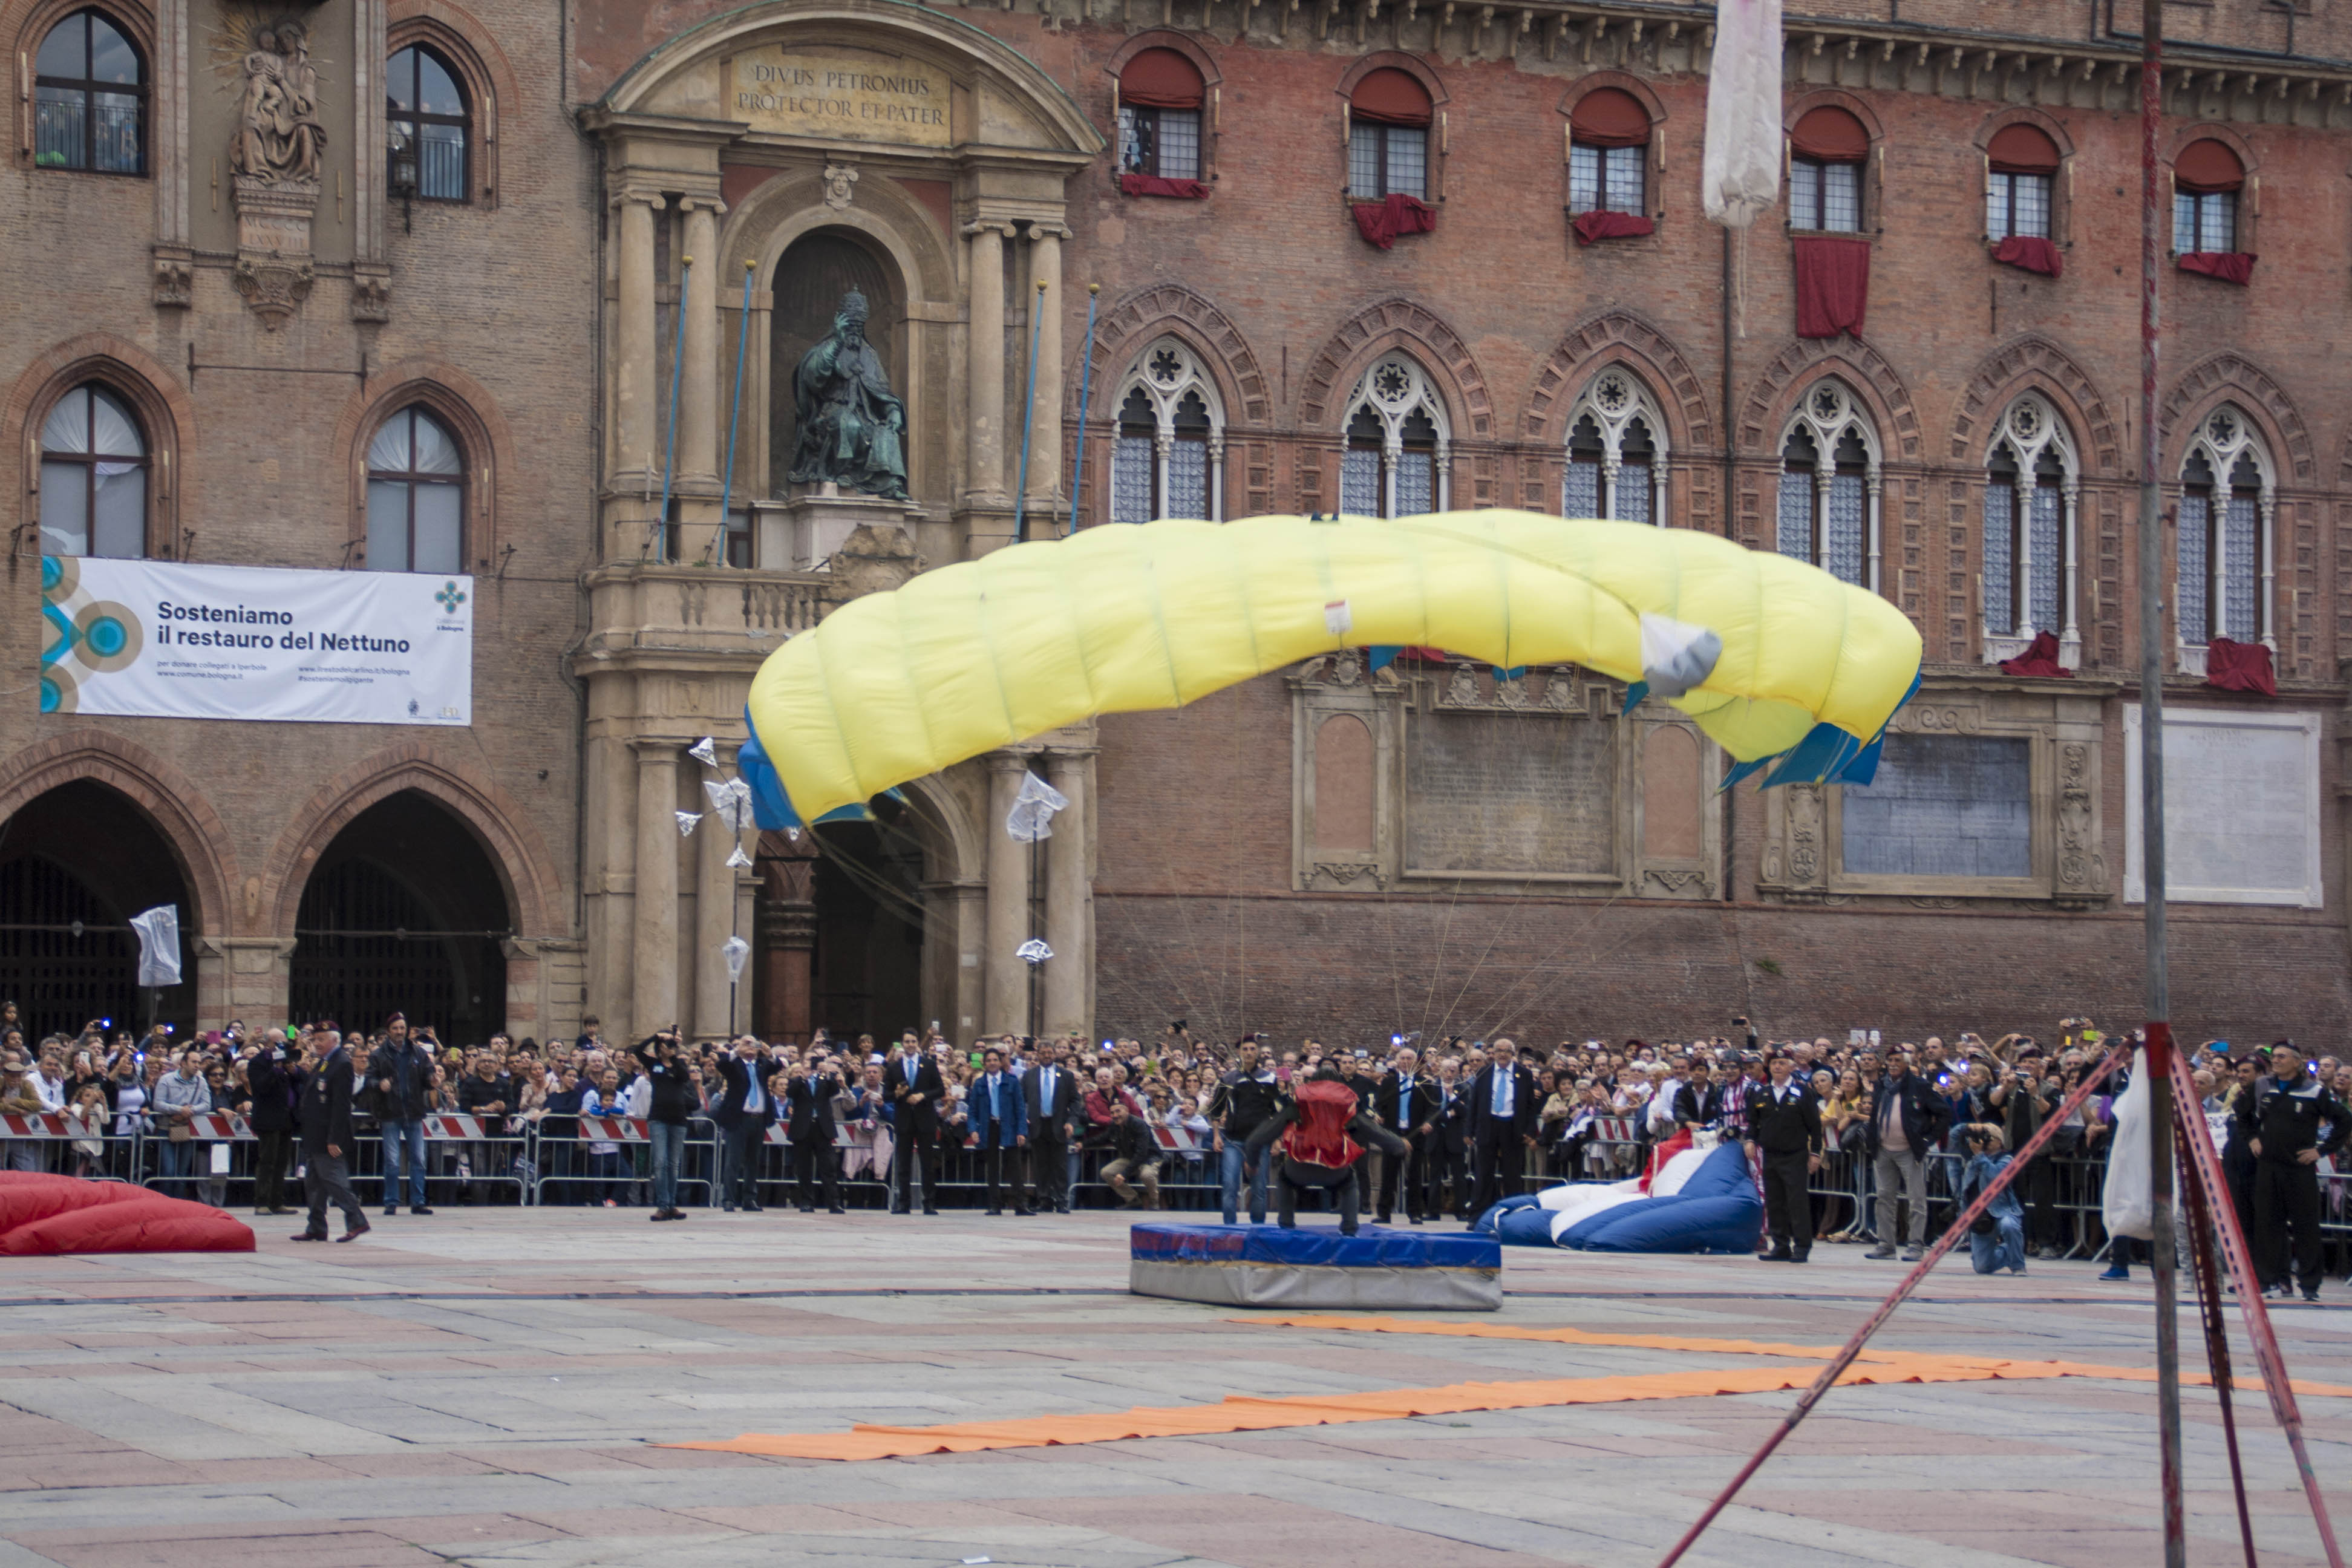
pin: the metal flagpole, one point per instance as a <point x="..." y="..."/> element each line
<point x="2151" y="809"/>
<point x="677" y="364"/>
<point x="734" y="423"/>
<point x="1028" y="413"/>
<point x="1086" y="387"/>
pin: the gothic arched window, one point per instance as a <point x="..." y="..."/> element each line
<point x="2032" y="476"/>
<point x="93" y="477"/>
<point x="1828" y="511"/>
<point x="427" y="125"/>
<point x="1169" y="457"/>
<point x="416" y="496"/>
<point x="1398" y="436"/>
<point x="89" y="92"/>
<point x="1616" y="452"/>
<point x="2229" y="505"/>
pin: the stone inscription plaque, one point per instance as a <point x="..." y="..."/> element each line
<point x="2241" y="807"/>
<point x="1509" y="793"/>
<point x="1944" y="806"/>
<point x="851" y="93"/>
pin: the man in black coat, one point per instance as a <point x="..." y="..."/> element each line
<point x="913" y="1085"/>
<point x="745" y="1112"/>
<point x="327" y="1143"/>
<point x="274" y="1076"/>
<point x="1785" y="1120"/>
<point x="1051" y="1093"/>
<point x="2293" y="1121"/>
<point x="676" y="1102"/>
<point x="1500" y="1116"/>
<point x="809" y="1128"/>
<point x="1407" y="1103"/>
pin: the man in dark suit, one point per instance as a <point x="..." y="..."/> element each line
<point x="809" y="1127"/>
<point x="914" y="1087"/>
<point x="1700" y="1101"/>
<point x="999" y="1112"/>
<point x="276" y="1077"/>
<point x="1049" y="1096"/>
<point x="1407" y="1103"/>
<point x="746" y="1111"/>
<point x="1501" y="1112"/>
<point x="1785" y="1119"/>
<point x="327" y="1143"/>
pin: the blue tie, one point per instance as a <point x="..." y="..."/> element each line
<point x="1502" y="1092"/>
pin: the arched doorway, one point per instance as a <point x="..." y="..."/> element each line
<point x="403" y="912"/>
<point x="75" y="865"/>
<point x="811" y="277"/>
<point x="842" y="925"/>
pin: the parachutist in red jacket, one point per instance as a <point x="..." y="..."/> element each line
<point x="1323" y="1132"/>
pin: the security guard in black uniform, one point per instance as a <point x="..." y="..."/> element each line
<point x="2291" y="1122"/>
<point x="1785" y="1119"/>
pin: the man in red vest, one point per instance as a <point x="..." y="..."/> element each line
<point x="1323" y="1132"/>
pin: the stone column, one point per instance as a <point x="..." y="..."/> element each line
<point x="714" y="922"/>
<point x="636" y="398"/>
<point x="1045" y="396"/>
<point x="986" y="362"/>
<point x="698" y="424"/>
<point x="1070" y="899"/>
<point x="654" y="951"/>
<point x="1007" y="1004"/>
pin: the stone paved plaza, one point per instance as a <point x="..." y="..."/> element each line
<point x="490" y="1387"/>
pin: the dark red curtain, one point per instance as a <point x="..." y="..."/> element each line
<point x="1382" y="222"/>
<point x="2229" y="265"/>
<point x="1593" y="226"/>
<point x="2240" y="666"/>
<point x="1832" y="286"/>
<point x="2022" y="149"/>
<point x="2208" y="165"/>
<point x="2033" y="253"/>
<point x="1392" y="97"/>
<point x="1160" y="79"/>
<point x="2040" y="658"/>
<point x="1609" y="116"/>
<point x="1831" y="135"/>
<point x="1153" y="185"/>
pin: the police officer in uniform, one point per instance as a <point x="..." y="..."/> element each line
<point x="2292" y="1120"/>
<point x="1785" y="1120"/>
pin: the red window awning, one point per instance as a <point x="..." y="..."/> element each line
<point x="2022" y="149"/>
<point x="1392" y="97"/>
<point x="2206" y="165"/>
<point x="1609" y="116"/>
<point x="1160" y="79"/>
<point x="1830" y="135"/>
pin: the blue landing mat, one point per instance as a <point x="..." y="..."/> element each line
<point x="1373" y="1246"/>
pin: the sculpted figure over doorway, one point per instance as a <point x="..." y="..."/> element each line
<point x="851" y="427"/>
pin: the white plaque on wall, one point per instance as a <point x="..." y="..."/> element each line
<point x="2241" y="807"/>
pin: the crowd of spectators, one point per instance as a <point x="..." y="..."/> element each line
<point x="1904" y="1125"/>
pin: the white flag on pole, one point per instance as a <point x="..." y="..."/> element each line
<point x="1739" y="174"/>
<point x="159" y="945"/>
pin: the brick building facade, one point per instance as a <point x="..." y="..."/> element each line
<point x="502" y="248"/>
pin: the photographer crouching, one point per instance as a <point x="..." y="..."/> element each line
<point x="1996" y="1238"/>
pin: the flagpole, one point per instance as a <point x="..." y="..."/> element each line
<point x="2151" y="811"/>
<point x="1086" y="387"/>
<point x="735" y="423"/>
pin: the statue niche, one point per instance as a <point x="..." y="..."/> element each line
<point x="810" y="281"/>
<point x="852" y="426"/>
<point x="273" y="156"/>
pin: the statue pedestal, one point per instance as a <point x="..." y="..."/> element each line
<point x="273" y="245"/>
<point x="820" y="519"/>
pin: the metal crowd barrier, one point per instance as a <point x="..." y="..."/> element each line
<point x="570" y="1163"/>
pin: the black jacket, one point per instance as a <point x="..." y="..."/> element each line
<point x="1054" y="1124"/>
<point x="326" y="1105"/>
<point x="276" y="1084"/>
<point x="1368" y="1133"/>
<point x="409" y="1069"/>
<point x="808" y="1107"/>
<point x="1925" y="1114"/>
<point x="738" y="1073"/>
<point x="674" y="1098"/>
<point x="1478" y="1113"/>
<point x="917" y="1122"/>
<point x="1385" y="1101"/>
<point x="1131" y="1139"/>
<point x="1702" y="1105"/>
<point x="474" y="1093"/>
<point x="1778" y="1127"/>
<point x="1243" y="1102"/>
<point x="2288" y="1118"/>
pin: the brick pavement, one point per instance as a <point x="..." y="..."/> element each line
<point x="483" y="1388"/>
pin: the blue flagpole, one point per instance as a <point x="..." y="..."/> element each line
<point x="676" y="363"/>
<point x="735" y="416"/>
<point x="1085" y="382"/>
<point x="1028" y="413"/>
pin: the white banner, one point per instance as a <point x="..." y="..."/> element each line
<point x="161" y="639"/>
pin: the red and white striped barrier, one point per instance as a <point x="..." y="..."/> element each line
<point x="443" y="1127"/>
<point x="1615" y="1129"/>
<point x="219" y="1125"/>
<point x="1175" y="1140"/>
<point x="40" y="1124"/>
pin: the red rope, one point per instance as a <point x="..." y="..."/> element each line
<point x="1949" y="1240"/>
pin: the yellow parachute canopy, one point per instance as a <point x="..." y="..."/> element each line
<point x="982" y="653"/>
